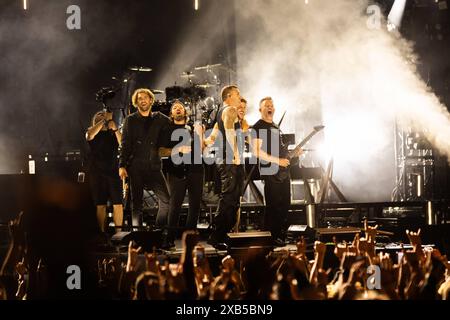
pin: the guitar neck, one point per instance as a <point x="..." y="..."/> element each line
<point x="302" y="143"/>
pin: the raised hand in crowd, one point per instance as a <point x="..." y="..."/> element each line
<point x="301" y="248"/>
<point x="370" y="232"/>
<point x="203" y="274"/>
<point x="319" y="256"/>
<point x="339" y="248"/>
<point x="132" y="257"/>
<point x="22" y="270"/>
<point x="17" y="245"/>
<point x="152" y="262"/>
<point x="416" y="241"/>
<point x="228" y="264"/>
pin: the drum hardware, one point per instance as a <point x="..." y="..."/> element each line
<point x="188" y="74"/>
<point x="205" y="85"/>
<point x="140" y="69"/>
<point x="208" y="67"/>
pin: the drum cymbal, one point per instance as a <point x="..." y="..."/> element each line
<point x="188" y="74"/>
<point x="140" y="69"/>
<point x="205" y="85"/>
<point x="157" y="91"/>
<point x="208" y="66"/>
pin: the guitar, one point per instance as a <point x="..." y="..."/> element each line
<point x="283" y="172"/>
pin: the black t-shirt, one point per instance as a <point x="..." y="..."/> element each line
<point x="103" y="153"/>
<point x="268" y="132"/>
<point x="183" y="168"/>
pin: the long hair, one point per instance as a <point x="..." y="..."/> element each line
<point x="142" y="90"/>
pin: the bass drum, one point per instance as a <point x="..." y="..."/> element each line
<point x="161" y="106"/>
<point x="174" y="93"/>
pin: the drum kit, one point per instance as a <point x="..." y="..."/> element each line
<point x="199" y="90"/>
<point x="199" y="93"/>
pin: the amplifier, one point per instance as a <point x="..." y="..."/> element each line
<point x="249" y="239"/>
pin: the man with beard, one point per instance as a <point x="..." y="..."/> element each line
<point x="185" y="167"/>
<point x="139" y="158"/>
<point x="272" y="154"/>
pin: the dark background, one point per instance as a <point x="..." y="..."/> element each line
<point x="49" y="74"/>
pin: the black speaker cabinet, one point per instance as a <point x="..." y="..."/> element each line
<point x="341" y="234"/>
<point x="249" y="239"/>
<point x="145" y="239"/>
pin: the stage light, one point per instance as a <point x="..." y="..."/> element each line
<point x="352" y="138"/>
<point x="396" y="14"/>
<point x="391" y="27"/>
<point x="25" y="5"/>
<point x="196" y="5"/>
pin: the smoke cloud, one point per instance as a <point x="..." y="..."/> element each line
<point x="324" y="62"/>
<point x="42" y="92"/>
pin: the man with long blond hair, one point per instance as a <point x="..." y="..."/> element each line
<point x="139" y="158"/>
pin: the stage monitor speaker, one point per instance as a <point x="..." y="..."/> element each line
<point x="295" y="231"/>
<point x="249" y="239"/>
<point x="145" y="239"/>
<point x="341" y="234"/>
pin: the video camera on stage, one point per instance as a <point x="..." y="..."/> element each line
<point x="104" y="94"/>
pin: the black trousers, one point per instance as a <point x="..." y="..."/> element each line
<point x="278" y="200"/>
<point x="232" y="180"/>
<point x="141" y="177"/>
<point x="192" y="182"/>
<point x="105" y="187"/>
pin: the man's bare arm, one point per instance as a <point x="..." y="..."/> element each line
<point x="94" y="130"/>
<point x="261" y="154"/>
<point x="212" y="137"/>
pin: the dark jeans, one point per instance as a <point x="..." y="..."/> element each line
<point x="232" y="180"/>
<point x="193" y="183"/>
<point x="141" y="177"/>
<point x="278" y="200"/>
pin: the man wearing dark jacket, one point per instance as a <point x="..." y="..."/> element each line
<point x="139" y="159"/>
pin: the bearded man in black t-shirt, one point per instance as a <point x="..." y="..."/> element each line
<point x="184" y="167"/>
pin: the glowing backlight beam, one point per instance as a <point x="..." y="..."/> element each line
<point x="396" y="14"/>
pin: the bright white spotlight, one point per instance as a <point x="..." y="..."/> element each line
<point x="396" y="14"/>
<point x="25" y="5"/>
<point x="390" y="26"/>
<point x="352" y="138"/>
<point x="196" y="5"/>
